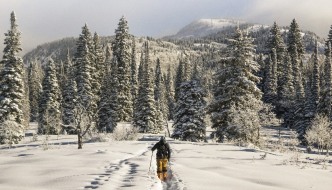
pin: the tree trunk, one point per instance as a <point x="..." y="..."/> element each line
<point x="79" y="136"/>
<point x="169" y="134"/>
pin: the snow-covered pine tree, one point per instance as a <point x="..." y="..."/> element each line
<point x="137" y="104"/>
<point x="294" y="39"/>
<point x="299" y="90"/>
<point x="315" y="80"/>
<point x="157" y="81"/>
<point x="108" y="60"/>
<point x="107" y="106"/>
<point x="98" y="66"/>
<point x="49" y="107"/>
<point x="262" y="72"/>
<point x="160" y="97"/>
<point x="178" y="78"/>
<point x="302" y="123"/>
<point x="287" y="90"/>
<point x="133" y="67"/>
<point x="11" y="87"/>
<point x="69" y="95"/>
<point x="275" y="41"/>
<point x="68" y="65"/>
<point x="35" y="75"/>
<point x="189" y="113"/>
<point x="329" y="40"/>
<point x="122" y="54"/>
<point x="83" y="69"/>
<point x="169" y="93"/>
<point x="107" y="113"/>
<point x="326" y="99"/>
<point x="69" y="101"/>
<point x="145" y="111"/>
<point x="237" y="99"/>
<point x="187" y="69"/>
<point x="113" y="101"/>
<point x="270" y="86"/>
<point x="287" y="94"/>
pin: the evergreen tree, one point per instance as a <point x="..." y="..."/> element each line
<point x="178" y="78"/>
<point x="108" y="60"/>
<point x="121" y="52"/>
<point x="237" y="98"/>
<point x="169" y="93"/>
<point x="134" y="82"/>
<point x="113" y="101"/>
<point x="69" y="101"/>
<point x="270" y="86"/>
<point x="106" y="115"/>
<point x="329" y="40"/>
<point x="287" y="87"/>
<point x="299" y="90"/>
<point x="98" y="66"/>
<point x="294" y="39"/>
<point x="11" y="87"/>
<point x="275" y="41"/>
<point x="315" y="81"/>
<point x="35" y="88"/>
<point x="187" y="69"/>
<point x="160" y="96"/>
<point x="83" y="70"/>
<point x="49" y="115"/>
<point x="189" y="115"/>
<point x="326" y="99"/>
<point x="145" y="111"/>
<point x="69" y="95"/>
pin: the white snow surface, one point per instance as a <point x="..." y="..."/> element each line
<point x="125" y="165"/>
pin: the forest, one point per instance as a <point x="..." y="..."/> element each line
<point x="235" y="81"/>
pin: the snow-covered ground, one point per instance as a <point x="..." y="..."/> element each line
<point x="58" y="164"/>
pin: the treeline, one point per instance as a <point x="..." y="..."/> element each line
<point x="234" y="89"/>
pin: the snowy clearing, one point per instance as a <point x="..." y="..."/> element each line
<point x="125" y="165"/>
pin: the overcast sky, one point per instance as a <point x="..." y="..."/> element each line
<point x="42" y="21"/>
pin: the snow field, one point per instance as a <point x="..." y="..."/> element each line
<point x="125" y="165"/>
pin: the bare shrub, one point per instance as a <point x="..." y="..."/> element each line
<point x="94" y="136"/>
<point x="125" y="133"/>
<point x="320" y="133"/>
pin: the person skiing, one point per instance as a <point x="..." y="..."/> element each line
<point x="163" y="156"/>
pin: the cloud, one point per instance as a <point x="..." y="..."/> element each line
<point x="311" y="15"/>
<point x="42" y="21"/>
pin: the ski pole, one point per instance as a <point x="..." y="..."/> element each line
<point x="150" y="161"/>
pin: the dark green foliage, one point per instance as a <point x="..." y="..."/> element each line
<point x="122" y="54"/>
<point x="49" y="107"/>
<point x="189" y="114"/>
<point x="145" y="107"/>
<point x="11" y="87"/>
<point x="35" y="88"/>
<point x="237" y="100"/>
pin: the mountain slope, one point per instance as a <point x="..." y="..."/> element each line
<point x="203" y="27"/>
<point x="167" y="52"/>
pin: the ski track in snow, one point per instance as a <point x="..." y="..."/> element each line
<point x="117" y="175"/>
<point x="121" y="174"/>
<point x="174" y="182"/>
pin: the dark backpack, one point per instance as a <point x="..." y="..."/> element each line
<point x="162" y="151"/>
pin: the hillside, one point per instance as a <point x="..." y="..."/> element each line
<point x="167" y="52"/>
<point x="195" y="38"/>
<point x="206" y="31"/>
<point x="204" y="27"/>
